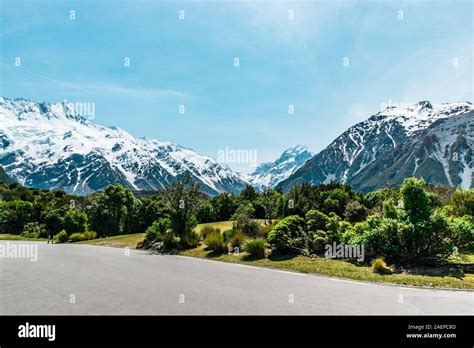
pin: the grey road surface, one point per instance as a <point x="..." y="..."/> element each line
<point x="83" y="279"/>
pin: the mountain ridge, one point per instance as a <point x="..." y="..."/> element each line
<point x="269" y="174"/>
<point x="50" y="146"/>
<point x="368" y="142"/>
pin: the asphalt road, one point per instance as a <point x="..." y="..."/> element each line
<point x="83" y="279"/>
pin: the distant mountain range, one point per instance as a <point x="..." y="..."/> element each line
<point x="270" y="174"/>
<point x="422" y="140"/>
<point x="50" y="146"/>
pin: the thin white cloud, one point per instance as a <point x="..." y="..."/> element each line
<point x="138" y="92"/>
<point x="129" y="91"/>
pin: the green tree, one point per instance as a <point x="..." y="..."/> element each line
<point x="205" y="212"/>
<point x="130" y="222"/>
<point x="150" y="210"/>
<point x="108" y="213"/>
<point x="183" y="199"/>
<point x="225" y="206"/>
<point x="75" y="221"/>
<point x="54" y="221"/>
<point x="14" y="215"/>
<point x="248" y="194"/>
<point x="271" y="200"/>
<point x="416" y="202"/>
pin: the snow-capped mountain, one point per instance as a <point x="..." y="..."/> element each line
<point x="270" y="174"/>
<point x="50" y="146"/>
<point x="424" y="140"/>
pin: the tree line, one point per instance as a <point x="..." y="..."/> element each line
<point x="414" y="223"/>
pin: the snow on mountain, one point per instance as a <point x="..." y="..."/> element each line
<point x="50" y="146"/>
<point x="419" y="116"/>
<point x="361" y="154"/>
<point x="271" y="173"/>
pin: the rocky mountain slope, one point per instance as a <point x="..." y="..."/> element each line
<point x="424" y="140"/>
<point x="4" y="178"/>
<point x="50" y="146"/>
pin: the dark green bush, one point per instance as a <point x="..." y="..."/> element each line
<point x="251" y="228"/>
<point x="288" y="235"/>
<point x="255" y="247"/>
<point x="34" y="230"/>
<point x="61" y="237"/>
<point x="158" y="228"/>
<point x="384" y="237"/>
<point x="215" y="242"/>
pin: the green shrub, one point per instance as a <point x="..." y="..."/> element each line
<point x="34" y="230"/>
<point x="242" y="220"/>
<point x="77" y="237"/>
<point x="255" y="247"/>
<point x="355" y="212"/>
<point x="251" y="228"/>
<point x="237" y="239"/>
<point x="265" y="229"/>
<point x="379" y="266"/>
<point x="215" y="242"/>
<point x="170" y="240"/>
<point x="61" y="237"/>
<point x="157" y="229"/>
<point x="318" y="241"/>
<point x="206" y="230"/>
<point x="463" y="202"/>
<point x="463" y="233"/>
<point x="322" y="229"/>
<point x="228" y="234"/>
<point x="190" y="239"/>
<point x="350" y="232"/>
<point x="288" y="235"/>
<point x="385" y="237"/>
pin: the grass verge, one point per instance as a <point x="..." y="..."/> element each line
<point x="445" y="277"/>
<point x="222" y="225"/>
<point x="122" y="241"/>
<point x="6" y="236"/>
<point x="343" y="269"/>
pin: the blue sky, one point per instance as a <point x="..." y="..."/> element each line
<point x="393" y="56"/>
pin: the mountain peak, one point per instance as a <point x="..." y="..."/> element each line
<point x="269" y="174"/>
<point x="46" y="145"/>
<point x="22" y="109"/>
<point x="391" y="145"/>
<point x="297" y="149"/>
<point x="418" y="116"/>
<point x="425" y="104"/>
